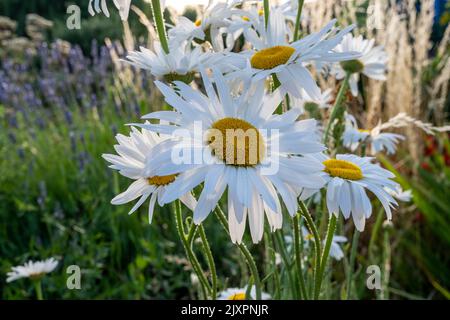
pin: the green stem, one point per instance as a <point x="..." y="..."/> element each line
<point x="159" y="23"/>
<point x="386" y="271"/>
<point x="266" y="13"/>
<point x="243" y="248"/>
<point x="352" y="262"/>
<point x="279" y="241"/>
<point x="325" y="254"/>
<point x="211" y="264"/>
<point x="374" y="233"/>
<point x="297" y="20"/>
<point x="317" y="243"/>
<point x="298" y="259"/>
<point x="271" y="252"/>
<point x="337" y="106"/>
<point x="38" y="288"/>
<point x="188" y="248"/>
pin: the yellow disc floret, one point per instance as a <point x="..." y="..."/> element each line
<point x="271" y="57"/>
<point x="237" y="296"/>
<point x="198" y="23"/>
<point x="342" y="169"/>
<point x="161" y="180"/>
<point x="236" y="142"/>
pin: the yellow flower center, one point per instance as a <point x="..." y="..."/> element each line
<point x="198" y="22"/>
<point x="342" y="169"/>
<point x="364" y="130"/>
<point x="161" y="180"/>
<point x="236" y="142"/>
<point x="270" y="58"/>
<point x="245" y="18"/>
<point x="237" y="296"/>
<point x="260" y="12"/>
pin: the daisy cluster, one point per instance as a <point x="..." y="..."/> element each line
<point x="240" y="68"/>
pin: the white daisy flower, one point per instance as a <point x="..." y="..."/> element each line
<point x="400" y="194"/>
<point x="240" y="294"/>
<point x="347" y="178"/>
<point x="273" y="54"/>
<point x="133" y="152"/>
<point x="32" y="269"/>
<point x="253" y="171"/>
<point x="306" y="102"/>
<point x="181" y="63"/>
<point x="379" y="141"/>
<point x="353" y="136"/>
<point x="245" y="19"/>
<point x="371" y="63"/>
<point x="335" y="249"/>
<point x="212" y="26"/>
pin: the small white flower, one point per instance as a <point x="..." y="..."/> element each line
<point x="322" y="101"/>
<point x="348" y="176"/>
<point x="379" y="141"/>
<point x="133" y="152"/>
<point x="181" y="63"/>
<point x="335" y="249"/>
<point x="400" y="194"/>
<point x="211" y="26"/>
<point x="352" y="135"/>
<point x="31" y="269"/>
<point x="240" y="294"/>
<point x="371" y="63"/>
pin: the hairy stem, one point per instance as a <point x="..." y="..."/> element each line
<point x="188" y="248"/>
<point x="159" y="23"/>
<point x="337" y="107"/>
<point x="211" y="264"/>
<point x="243" y="248"/>
<point x="298" y="260"/>
<point x="325" y="254"/>
<point x="351" y="263"/>
<point x="297" y="20"/>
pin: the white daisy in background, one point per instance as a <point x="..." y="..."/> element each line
<point x="240" y="294"/>
<point x="348" y="176"/>
<point x="212" y="26"/>
<point x="335" y="249"/>
<point x="181" y="63"/>
<point x="379" y="141"/>
<point x="323" y="101"/>
<point x="245" y="19"/>
<point x="371" y="63"/>
<point x="242" y="167"/>
<point x="97" y="6"/>
<point x="32" y="269"/>
<point x="273" y="54"/>
<point x="353" y="136"/>
<point x="133" y="152"/>
<point x="400" y="194"/>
